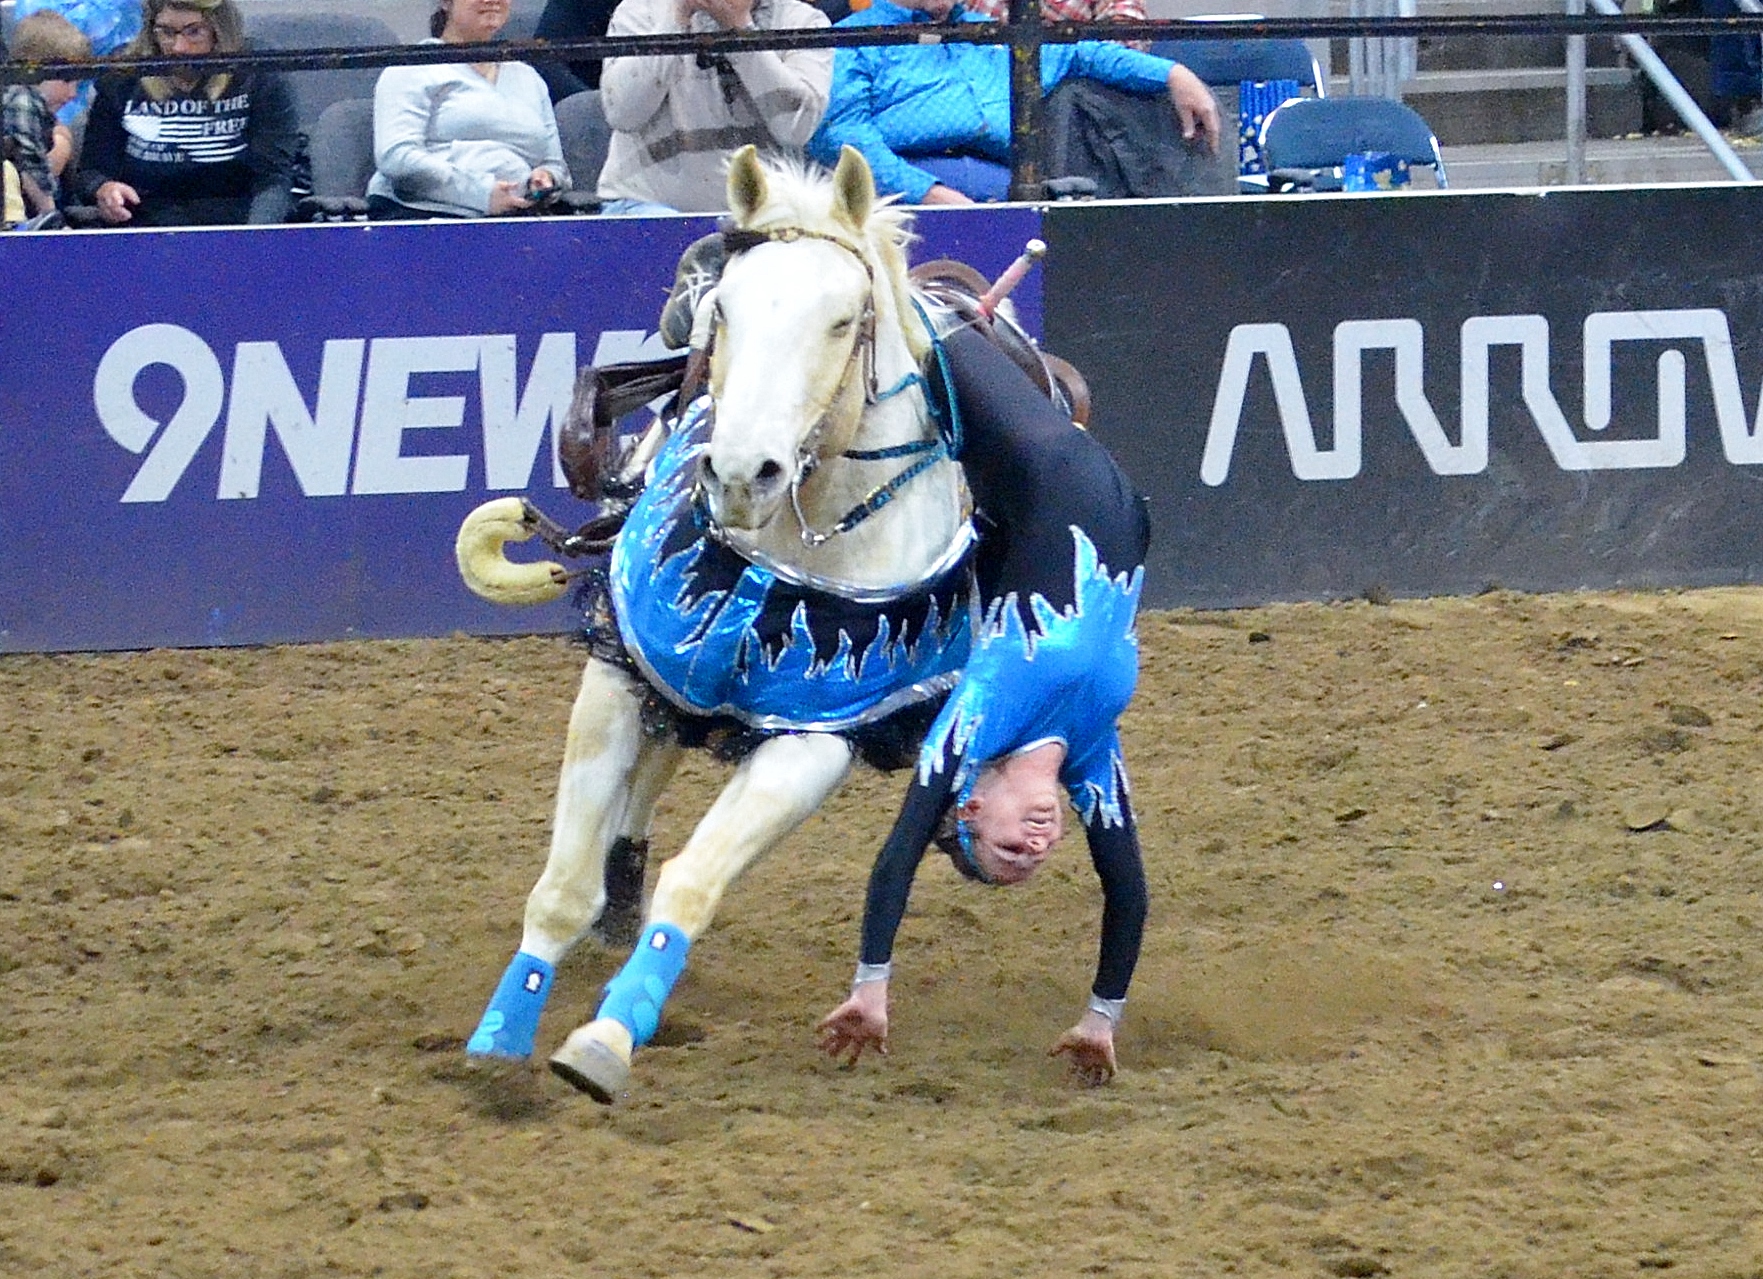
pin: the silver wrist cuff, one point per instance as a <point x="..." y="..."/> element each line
<point x="872" y="972"/>
<point x="1112" y="1009"/>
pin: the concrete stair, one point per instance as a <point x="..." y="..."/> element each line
<point x="1609" y="161"/>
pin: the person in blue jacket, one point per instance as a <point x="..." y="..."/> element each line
<point x="933" y="119"/>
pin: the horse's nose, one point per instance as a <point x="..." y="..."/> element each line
<point x="743" y="492"/>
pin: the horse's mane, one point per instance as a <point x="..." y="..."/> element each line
<point x="799" y="194"/>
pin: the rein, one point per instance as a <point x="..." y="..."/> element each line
<point x="735" y="241"/>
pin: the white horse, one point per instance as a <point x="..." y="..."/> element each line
<point x="818" y="466"/>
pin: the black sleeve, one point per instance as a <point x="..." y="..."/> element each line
<point x="101" y="149"/>
<point x="572" y="20"/>
<point x="1115" y="852"/>
<point x="273" y="148"/>
<point x="890" y="880"/>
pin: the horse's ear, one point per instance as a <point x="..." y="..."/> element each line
<point x="853" y="188"/>
<point x="746" y="183"/>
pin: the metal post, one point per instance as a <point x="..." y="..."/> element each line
<point x="1679" y="98"/>
<point x="1576" y="127"/>
<point x="1027" y="166"/>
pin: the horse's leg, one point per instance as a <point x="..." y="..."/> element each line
<point x="605" y="748"/>
<point x="621" y="918"/>
<point x="781" y="783"/>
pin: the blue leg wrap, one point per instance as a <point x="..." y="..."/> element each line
<point x="634" y="997"/>
<point x="512" y="1019"/>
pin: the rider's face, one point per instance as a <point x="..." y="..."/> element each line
<point x="1013" y="822"/>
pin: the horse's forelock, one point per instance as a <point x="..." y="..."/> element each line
<point x="801" y="195"/>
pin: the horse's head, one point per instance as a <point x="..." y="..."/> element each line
<point x="795" y="325"/>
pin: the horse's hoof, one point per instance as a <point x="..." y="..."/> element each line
<point x="590" y="1064"/>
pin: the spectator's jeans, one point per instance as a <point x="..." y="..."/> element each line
<point x="1735" y="64"/>
<point x="977" y="179"/>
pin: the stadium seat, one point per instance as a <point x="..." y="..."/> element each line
<point x="1250" y="77"/>
<point x="581" y="122"/>
<point x="314" y="91"/>
<point x="1307" y="141"/>
<point x="341" y="147"/>
<point x="1227" y="63"/>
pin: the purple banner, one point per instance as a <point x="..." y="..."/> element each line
<point x="271" y="434"/>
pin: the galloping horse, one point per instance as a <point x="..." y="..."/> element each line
<point x="794" y="571"/>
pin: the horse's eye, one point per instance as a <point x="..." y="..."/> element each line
<point x="843" y="327"/>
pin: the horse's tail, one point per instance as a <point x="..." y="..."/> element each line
<point x="490" y="573"/>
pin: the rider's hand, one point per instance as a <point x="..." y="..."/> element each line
<point x="860" y="1022"/>
<point x="1089" y="1046"/>
<point x="1195" y="106"/>
<point x="506" y="197"/>
<point x="116" y="202"/>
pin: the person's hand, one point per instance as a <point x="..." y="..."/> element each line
<point x="1089" y="1046"/>
<point x="1195" y="106"/>
<point x="116" y="200"/>
<point x="506" y="197"/>
<point x="940" y="194"/>
<point x="731" y="15"/>
<point x="860" y="1022"/>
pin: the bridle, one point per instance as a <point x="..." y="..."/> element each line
<point x="927" y="453"/>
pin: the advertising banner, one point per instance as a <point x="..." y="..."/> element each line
<point x="272" y="434"/>
<point x="1426" y="394"/>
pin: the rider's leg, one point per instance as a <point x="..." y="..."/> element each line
<point x="780" y="784"/>
<point x="605" y="744"/>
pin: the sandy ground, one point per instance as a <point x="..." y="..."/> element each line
<point x="1453" y="971"/>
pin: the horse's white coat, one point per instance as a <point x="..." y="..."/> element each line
<point x="788" y="373"/>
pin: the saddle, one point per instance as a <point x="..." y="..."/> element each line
<point x="605" y="467"/>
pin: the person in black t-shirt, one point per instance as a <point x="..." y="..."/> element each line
<point x="187" y="150"/>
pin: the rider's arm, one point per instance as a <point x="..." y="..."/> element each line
<point x="890" y="880"/>
<point x="1114" y="850"/>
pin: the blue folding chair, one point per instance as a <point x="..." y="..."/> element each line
<point x="1313" y="144"/>
<point x="1251" y="77"/>
<point x="1222" y="63"/>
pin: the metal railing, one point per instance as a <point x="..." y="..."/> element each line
<point x="1024" y="35"/>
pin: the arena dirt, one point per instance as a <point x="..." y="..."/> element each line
<point x="1453" y="970"/>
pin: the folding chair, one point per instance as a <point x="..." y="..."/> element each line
<point x="1312" y="143"/>
<point x="1251" y="77"/>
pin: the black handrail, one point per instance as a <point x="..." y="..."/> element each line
<point x="1023" y="33"/>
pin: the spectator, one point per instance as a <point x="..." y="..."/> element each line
<point x="677" y="119"/>
<point x="1735" y="73"/>
<point x="41" y="145"/>
<point x="191" y="149"/>
<point x="461" y="140"/>
<point x="572" y="20"/>
<point x="1073" y="11"/>
<point x="933" y="119"/>
<point x="110" y="25"/>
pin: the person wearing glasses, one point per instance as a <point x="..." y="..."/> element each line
<point x="188" y="148"/>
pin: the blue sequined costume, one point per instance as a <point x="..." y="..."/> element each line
<point x="1060" y="566"/>
<point x="717" y="634"/>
